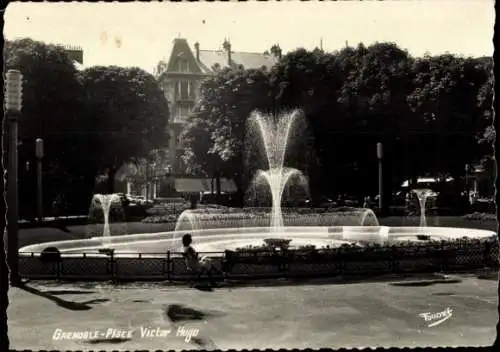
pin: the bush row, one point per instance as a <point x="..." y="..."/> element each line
<point x="236" y="218"/>
<point x="136" y="212"/>
<point x="445" y="251"/>
<point x="166" y="209"/>
<point x="255" y="221"/>
<point x="480" y="216"/>
<point x="411" y="246"/>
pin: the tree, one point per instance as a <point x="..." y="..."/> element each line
<point x="127" y="116"/>
<point x="485" y="101"/>
<point x="52" y="107"/>
<point x="50" y="88"/>
<point x="218" y="123"/>
<point x="421" y="109"/>
<point x="309" y="80"/>
<point x="444" y="102"/>
<point x="375" y="83"/>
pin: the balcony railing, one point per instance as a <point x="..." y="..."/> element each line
<point x="180" y="119"/>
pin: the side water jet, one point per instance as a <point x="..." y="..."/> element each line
<point x="274" y="134"/>
<point x="422" y="195"/>
<point x="106" y="200"/>
<point x="187" y="222"/>
<point x="368" y="214"/>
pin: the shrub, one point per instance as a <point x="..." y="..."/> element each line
<point x="480" y="216"/>
<point x="406" y="247"/>
<point x="277" y="242"/>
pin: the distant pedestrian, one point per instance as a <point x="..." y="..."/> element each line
<point x="340" y="201"/>
<point x="57" y="204"/>
<point x="367" y="202"/>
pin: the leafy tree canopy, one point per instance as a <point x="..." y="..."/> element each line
<point x="127" y="114"/>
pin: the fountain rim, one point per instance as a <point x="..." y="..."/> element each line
<point x="480" y="234"/>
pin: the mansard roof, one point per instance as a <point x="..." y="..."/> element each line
<point x="211" y="61"/>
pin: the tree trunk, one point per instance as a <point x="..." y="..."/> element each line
<point x="387" y="180"/>
<point x="110" y="184"/>
<point x="217" y="186"/>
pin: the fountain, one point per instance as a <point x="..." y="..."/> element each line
<point x="422" y="195"/>
<point x="277" y="180"/>
<point x="368" y="214"/>
<point x="105" y="200"/>
<point x="214" y="232"/>
<point x="274" y="136"/>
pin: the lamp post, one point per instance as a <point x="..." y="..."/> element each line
<point x="467" y="189"/>
<point x="39" y="156"/>
<point x="13" y="106"/>
<point x="154" y="185"/>
<point x="146" y="181"/>
<point x="380" y="177"/>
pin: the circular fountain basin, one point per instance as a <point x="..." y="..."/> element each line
<point x="218" y="240"/>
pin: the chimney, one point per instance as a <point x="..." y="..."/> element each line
<point x="197" y="48"/>
<point x="227" y="47"/>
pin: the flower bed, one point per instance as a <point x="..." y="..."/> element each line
<point x="405" y="255"/>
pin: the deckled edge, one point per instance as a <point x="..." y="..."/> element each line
<point x="4" y="269"/>
<point x="496" y="343"/>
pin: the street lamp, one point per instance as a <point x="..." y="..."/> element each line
<point x="39" y="156"/>
<point x="380" y="176"/>
<point x="13" y="106"/>
<point x="155" y="179"/>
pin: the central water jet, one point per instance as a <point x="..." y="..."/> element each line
<point x="274" y="134"/>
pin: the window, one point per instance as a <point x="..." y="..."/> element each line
<point x="177" y="90"/>
<point x="183" y="65"/>
<point x="192" y="90"/>
<point x="183" y="110"/>
<point x="184" y="89"/>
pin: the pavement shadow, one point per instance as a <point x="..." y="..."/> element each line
<point x="443" y="294"/>
<point x="68" y="292"/>
<point x="203" y="342"/>
<point x="494" y="275"/>
<point x="179" y="313"/>
<point x="424" y="283"/>
<point x="107" y="341"/>
<point x="423" y="279"/>
<point x="70" y="305"/>
<point x="204" y="288"/>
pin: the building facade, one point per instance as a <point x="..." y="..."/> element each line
<point x="75" y="53"/>
<point x="180" y="78"/>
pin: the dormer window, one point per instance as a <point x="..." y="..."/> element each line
<point x="183" y="65"/>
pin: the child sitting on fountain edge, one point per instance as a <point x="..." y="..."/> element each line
<point x="193" y="263"/>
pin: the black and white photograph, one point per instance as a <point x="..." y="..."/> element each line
<point x="249" y="175"/>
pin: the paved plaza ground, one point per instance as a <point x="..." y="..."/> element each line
<point x="312" y="315"/>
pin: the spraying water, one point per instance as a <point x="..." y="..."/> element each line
<point x="187" y="222"/>
<point x="422" y="195"/>
<point x="368" y="214"/>
<point x="277" y="179"/>
<point x="106" y="200"/>
<point x="274" y="134"/>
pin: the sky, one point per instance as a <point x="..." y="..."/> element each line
<point x="141" y="34"/>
